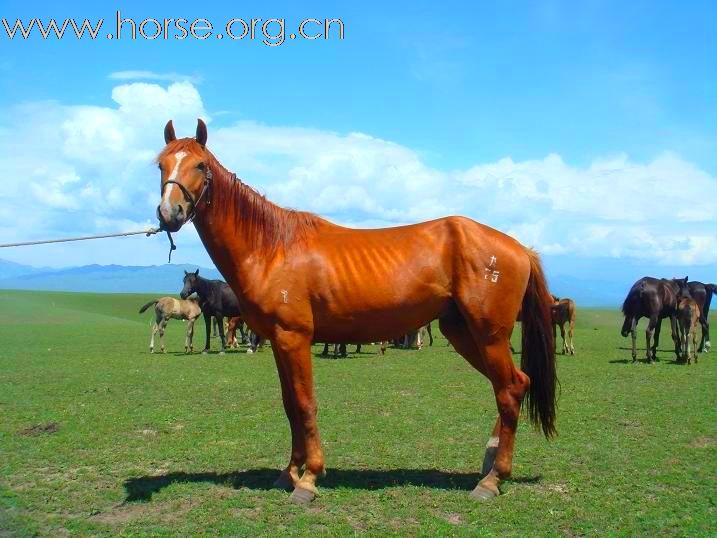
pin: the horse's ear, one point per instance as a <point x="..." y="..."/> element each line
<point x="686" y="279"/>
<point x="201" y="132"/>
<point x="196" y="273"/>
<point x="185" y="272"/>
<point x="169" y="134"/>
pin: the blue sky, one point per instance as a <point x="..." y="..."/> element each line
<point x="548" y="120"/>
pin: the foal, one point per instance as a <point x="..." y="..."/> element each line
<point x="562" y="312"/>
<point x="688" y="315"/>
<point x="167" y="308"/>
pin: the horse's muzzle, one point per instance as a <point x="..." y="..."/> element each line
<point x="172" y="220"/>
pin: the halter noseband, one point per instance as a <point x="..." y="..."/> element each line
<point x="188" y="195"/>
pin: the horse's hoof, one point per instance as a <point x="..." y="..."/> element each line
<point x="250" y="350"/>
<point x="302" y="496"/>
<point x="221" y="352"/>
<point x="284" y="482"/>
<point x="482" y="494"/>
<point x="205" y="352"/>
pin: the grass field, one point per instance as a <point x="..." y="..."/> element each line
<point x="181" y="444"/>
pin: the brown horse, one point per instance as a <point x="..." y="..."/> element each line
<point x="688" y="315"/>
<point x="563" y="311"/>
<point x="702" y="294"/>
<point x="300" y="278"/>
<point x="167" y="308"/>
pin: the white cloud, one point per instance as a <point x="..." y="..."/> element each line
<point x="84" y="169"/>
<point x="151" y="75"/>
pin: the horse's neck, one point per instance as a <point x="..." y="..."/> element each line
<point x="204" y="289"/>
<point x="227" y="240"/>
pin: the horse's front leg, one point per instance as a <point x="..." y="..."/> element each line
<point x="190" y="336"/>
<point x="293" y="354"/>
<point x="208" y="326"/>
<point x="221" y="336"/>
<point x="675" y="335"/>
<point x="290" y="475"/>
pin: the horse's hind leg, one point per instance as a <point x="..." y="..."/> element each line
<point x="705" y="339"/>
<point x="571" y="332"/>
<point x="491" y="356"/>
<point x="155" y="328"/>
<point x="162" y="326"/>
<point x="649" y="332"/>
<point x="562" y="334"/>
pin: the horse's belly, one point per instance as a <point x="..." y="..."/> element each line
<point x="374" y="324"/>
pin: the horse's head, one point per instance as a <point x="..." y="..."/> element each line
<point x="184" y="169"/>
<point x="683" y="290"/>
<point x="191" y="284"/>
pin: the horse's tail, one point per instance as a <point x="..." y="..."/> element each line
<point x="538" y="355"/>
<point x="711" y="290"/>
<point x="145" y="307"/>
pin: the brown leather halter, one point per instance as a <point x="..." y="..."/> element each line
<point x="188" y="195"/>
<point x="189" y="198"/>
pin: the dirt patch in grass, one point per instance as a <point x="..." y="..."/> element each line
<point x="703" y="442"/>
<point x="39" y="429"/>
<point x="128" y="512"/>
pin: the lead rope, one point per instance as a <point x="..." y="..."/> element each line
<point x="148" y="232"/>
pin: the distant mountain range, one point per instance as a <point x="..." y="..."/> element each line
<point x="99" y="278"/>
<point x="599" y="282"/>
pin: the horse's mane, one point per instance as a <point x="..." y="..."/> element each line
<point x="264" y="223"/>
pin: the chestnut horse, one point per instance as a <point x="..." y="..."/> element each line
<point x="563" y="312"/>
<point x="300" y="278"/>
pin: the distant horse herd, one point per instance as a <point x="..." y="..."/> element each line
<point x="685" y="303"/>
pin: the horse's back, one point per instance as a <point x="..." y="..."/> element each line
<point x="420" y="269"/>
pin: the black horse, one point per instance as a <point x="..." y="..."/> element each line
<point x="654" y="299"/>
<point x="702" y="294"/>
<point x="216" y="299"/>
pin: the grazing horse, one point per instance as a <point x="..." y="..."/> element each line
<point x="216" y="299"/>
<point x="167" y="308"/>
<point x="702" y="294"/>
<point x="654" y="299"/>
<point x="563" y="311"/>
<point x="688" y="314"/>
<point x="300" y="278"/>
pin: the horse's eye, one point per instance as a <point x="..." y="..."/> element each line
<point x="200" y="166"/>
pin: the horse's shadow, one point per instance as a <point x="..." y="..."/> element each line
<point x="142" y="488"/>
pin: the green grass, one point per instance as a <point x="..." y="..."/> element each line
<point x="188" y="444"/>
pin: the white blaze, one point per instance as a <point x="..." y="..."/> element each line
<point x="166" y="204"/>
